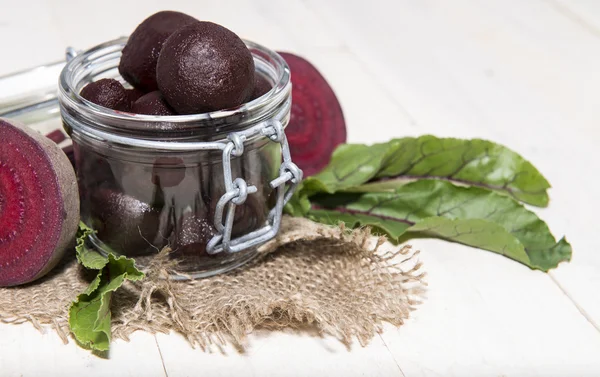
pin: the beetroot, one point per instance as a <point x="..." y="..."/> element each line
<point x="317" y="123"/>
<point x="204" y="67"/>
<point x="152" y="103"/>
<point x="108" y="93"/>
<point x="57" y="136"/>
<point x="191" y="235"/>
<point x="134" y="94"/>
<point x="261" y="86"/>
<point x="140" y="54"/>
<point x="249" y="216"/>
<point x="39" y="204"/>
<point x="168" y="171"/>
<point x="93" y="170"/>
<point x="126" y="224"/>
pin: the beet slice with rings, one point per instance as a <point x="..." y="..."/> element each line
<point x="317" y="124"/>
<point x="39" y="204"/>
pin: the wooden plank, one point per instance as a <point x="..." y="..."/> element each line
<point x="582" y="281"/>
<point x="519" y="73"/>
<point x="455" y="65"/>
<point x="29" y="36"/>
<point x="488" y="316"/>
<point x="371" y="115"/>
<point x="279" y="354"/>
<point x="464" y="69"/>
<point x="585" y="13"/>
<point x="25" y="352"/>
<point x="299" y="24"/>
<point x="246" y="20"/>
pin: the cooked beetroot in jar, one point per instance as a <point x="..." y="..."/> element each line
<point x="153" y="180"/>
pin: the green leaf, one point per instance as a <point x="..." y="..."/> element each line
<point x="298" y="205"/>
<point x="476" y="162"/>
<point x="357" y="212"/>
<point x="86" y="256"/>
<point x="478" y="233"/>
<point x="351" y="165"/>
<point x="422" y="206"/>
<point x="89" y="314"/>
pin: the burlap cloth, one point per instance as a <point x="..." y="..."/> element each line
<point x="344" y="283"/>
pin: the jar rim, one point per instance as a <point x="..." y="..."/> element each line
<point x="70" y="98"/>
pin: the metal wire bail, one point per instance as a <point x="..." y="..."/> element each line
<point x="237" y="191"/>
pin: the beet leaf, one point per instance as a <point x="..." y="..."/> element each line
<point x="470" y="215"/>
<point x="89" y="314"/>
<point x="386" y="166"/>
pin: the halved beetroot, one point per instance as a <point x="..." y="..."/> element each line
<point x="317" y="123"/>
<point x="39" y="204"/>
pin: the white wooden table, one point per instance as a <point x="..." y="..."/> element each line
<point x="525" y="73"/>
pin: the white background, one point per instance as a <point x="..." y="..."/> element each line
<point x="524" y="73"/>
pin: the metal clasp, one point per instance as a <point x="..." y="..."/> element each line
<point x="237" y="191"/>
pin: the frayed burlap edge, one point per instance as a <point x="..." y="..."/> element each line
<point x="343" y="283"/>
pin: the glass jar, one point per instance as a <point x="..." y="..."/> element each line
<point x="210" y="186"/>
